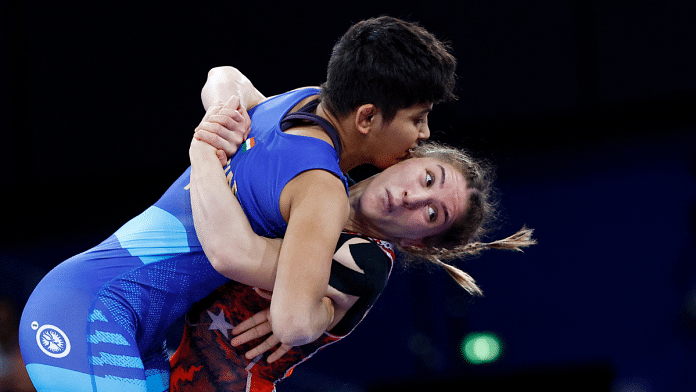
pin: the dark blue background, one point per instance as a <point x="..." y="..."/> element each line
<point x="586" y="108"/>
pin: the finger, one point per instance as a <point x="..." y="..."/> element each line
<point x="263" y="293"/>
<point x="231" y="121"/>
<point x="213" y="109"/>
<point x="239" y="109"/>
<point x="284" y="348"/>
<point x="253" y="333"/>
<point x="246" y="120"/>
<point x="226" y="128"/>
<point x="234" y="114"/>
<point x="266" y="345"/>
<point x="257" y="319"/>
<point x="216" y="141"/>
<point x="232" y="102"/>
<point x="233" y="129"/>
<point x="229" y="140"/>
<point x="239" y="115"/>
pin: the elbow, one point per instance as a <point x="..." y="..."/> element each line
<point x="233" y="263"/>
<point x="294" y="329"/>
<point x="217" y="86"/>
<point x="223" y="70"/>
<point x="218" y="253"/>
<point x="221" y="76"/>
<point x="216" y="259"/>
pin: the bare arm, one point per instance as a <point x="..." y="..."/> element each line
<point x="228" y="240"/>
<point x="225" y="82"/>
<point x="302" y="308"/>
<point x="317" y="216"/>
<point x="318" y="209"/>
<point x="376" y="273"/>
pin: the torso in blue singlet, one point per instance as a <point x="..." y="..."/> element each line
<point x="97" y="321"/>
<point x="260" y="173"/>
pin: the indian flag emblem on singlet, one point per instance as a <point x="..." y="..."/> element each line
<point x="249" y="143"/>
<point x="244" y="147"/>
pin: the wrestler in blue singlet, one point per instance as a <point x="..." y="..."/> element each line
<point x="97" y="322"/>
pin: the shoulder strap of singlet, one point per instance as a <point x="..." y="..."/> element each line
<point x="306" y="114"/>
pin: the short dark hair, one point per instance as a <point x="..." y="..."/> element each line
<point x="390" y="63"/>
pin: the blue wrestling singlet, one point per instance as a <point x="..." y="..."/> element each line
<point x="97" y="321"/>
<point x="259" y="174"/>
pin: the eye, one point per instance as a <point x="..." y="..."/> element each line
<point x="419" y="119"/>
<point x="428" y="179"/>
<point x="432" y="214"/>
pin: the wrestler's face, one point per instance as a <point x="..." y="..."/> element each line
<point x="414" y="199"/>
<point x="394" y="138"/>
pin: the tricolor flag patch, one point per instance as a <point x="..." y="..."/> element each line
<point x="249" y="143"/>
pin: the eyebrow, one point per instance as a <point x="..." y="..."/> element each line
<point x="422" y="112"/>
<point x="442" y="178"/>
<point x="442" y="183"/>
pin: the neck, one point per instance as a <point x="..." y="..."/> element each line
<point x="351" y="142"/>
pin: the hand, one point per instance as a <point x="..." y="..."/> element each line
<point x="225" y="126"/>
<point x="257" y="326"/>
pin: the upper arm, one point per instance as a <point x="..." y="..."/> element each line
<point x="223" y="230"/>
<point x="316" y="206"/>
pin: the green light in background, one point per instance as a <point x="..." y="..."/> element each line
<point x="481" y="347"/>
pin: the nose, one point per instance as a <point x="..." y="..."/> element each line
<point x="424" y="133"/>
<point x="414" y="198"/>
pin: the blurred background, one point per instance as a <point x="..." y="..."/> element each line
<point x="587" y="109"/>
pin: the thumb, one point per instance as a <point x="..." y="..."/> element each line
<point x="222" y="157"/>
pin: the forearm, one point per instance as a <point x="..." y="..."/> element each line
<point x="228" y="240"/>
<point x="301" y="311"/>
<point x="300" y="320"/>
<point x="224" y="82"/>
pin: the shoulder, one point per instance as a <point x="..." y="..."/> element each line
<point x="317" y="88"/>
<point x="316" y="196"/>
<point x="366" y="257"/>
<point x="318" y="184"/>
<point x="314" y="88"/>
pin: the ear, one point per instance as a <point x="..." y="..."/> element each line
<point x="365" y="118"/>
<point x="410" y="242"/>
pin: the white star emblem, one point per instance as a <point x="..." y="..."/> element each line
<point x="219" y="322"/>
